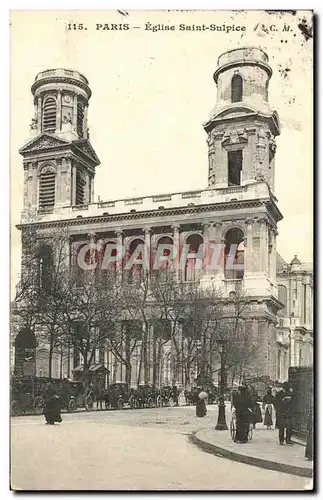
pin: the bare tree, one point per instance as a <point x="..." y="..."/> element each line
<point x="92" y="306"/>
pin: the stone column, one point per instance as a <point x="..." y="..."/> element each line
<point x="272" y="255"/>
<point x="74" y="117"/>
<point x="39" y="115"/>
<point x="147" y="256"/>
<point x="34" y="190"/>
<point x="59" y="111"/>
<point x="119" y="263"/>
<point x="176" y="240"/>
<point x="87" y="188"/>
<point x="263" y="246"/>
<point x="206" y="249"/>
<point x="26" y="186"/>
<point x="85" y="126"/>
<point x="262" y="354"/>
<point x="92" y="189"/>
<point x="217" y="262"/>
<point x="249" y="257"/>
<point x="73" y="184"/>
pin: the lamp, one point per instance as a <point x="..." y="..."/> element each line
<point x="221" y="424"/>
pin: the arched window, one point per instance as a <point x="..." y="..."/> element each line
<point x="49" y="115"/>
<point x="193" y="267"/>
<point x="45" y="266"/>
<point x="236" y="88"/>
<point x="282" y="297"/>
<point x="234" y="254"/>
<point x="47" y="189"/>
<point x="80" y="119"/>
<point x="106" y="259"/>
<point x="135" y="270"/>
<point x="164" y="265"/>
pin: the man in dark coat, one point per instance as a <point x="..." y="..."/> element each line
<point x="286" y="416"/>
<point x="243" y="407"/>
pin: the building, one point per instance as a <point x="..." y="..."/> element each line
<point x="237" y="207"/>
<point x="295" y="320"/>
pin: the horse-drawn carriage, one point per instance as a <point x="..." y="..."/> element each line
<point x="26" y="395"/>
<point x="115" y="396"/>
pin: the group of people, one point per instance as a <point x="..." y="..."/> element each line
<point x="247" y="408"/>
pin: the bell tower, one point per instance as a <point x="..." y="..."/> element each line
<point x="242" y="127"/>
<point x="59" y="161"/>
<point x="241" y="132"/>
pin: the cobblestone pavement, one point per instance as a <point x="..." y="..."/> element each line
<point x="129" y="450"/>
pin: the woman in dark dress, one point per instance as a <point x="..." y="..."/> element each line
<point x="200" y="403"/>
<point x="52" y="408"/>
<point x="243" y="407"/>
<point x="268" y="405"/>
<point x="256" y="411"/>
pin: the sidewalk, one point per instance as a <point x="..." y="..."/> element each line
<point x="263" y="451"/>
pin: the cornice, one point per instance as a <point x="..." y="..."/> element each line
<point x="178" y="211"/>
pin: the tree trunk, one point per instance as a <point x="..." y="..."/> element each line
<point x="50" y="356"/>
<point x="140" y="364"/>
<point x="128" y="372"/>
<point x="145" y="353"/>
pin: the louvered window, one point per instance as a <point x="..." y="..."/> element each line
<point x="49" y="115"/>
<point x="80" y="119"/>
<point x="80" y="184"/>
<point x="47" y="190"/>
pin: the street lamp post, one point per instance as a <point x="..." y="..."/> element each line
<point x="221" y="424"/>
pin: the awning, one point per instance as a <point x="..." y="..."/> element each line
<point x="93" y="368"/>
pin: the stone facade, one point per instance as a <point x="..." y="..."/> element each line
<point x="238" y="205"/>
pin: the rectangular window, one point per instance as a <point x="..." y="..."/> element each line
<point x="234" y="167"/>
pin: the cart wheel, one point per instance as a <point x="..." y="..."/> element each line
<point x="15" y="408"/>
<point x="159" y="401"/>
<point x="88" y="403"/>
<point x="120" y="404"/>
<point x="132" y="402"/>
<point x="233" y="429"/>
<point x="250" y="433"/>
<point x="106" y="404"/>
<point x="71" y="407"/>
<point x="38" y="405"/>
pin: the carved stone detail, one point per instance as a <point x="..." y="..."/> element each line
<point x="237" y="136"/>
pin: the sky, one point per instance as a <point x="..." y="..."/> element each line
<point x="152" y="91"/>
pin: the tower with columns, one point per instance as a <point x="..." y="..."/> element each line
<point x="237" y="211"/>
<point x="59" y="161"/>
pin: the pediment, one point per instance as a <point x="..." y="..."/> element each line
<point x="86" y="148"/>
<point x="41" y="143"/>
<point x="230" y="112"/>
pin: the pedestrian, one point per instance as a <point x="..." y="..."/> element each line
<point x="309" y="437"/>
<point x="243" y="407"/>
<point x="52" y="405"/>
<point x="268" y="406"/>
<point x="200" y="403"/>
<point x="256" y="411"/>
<point x="278" y="399"/>
<point x="286" y="416"/>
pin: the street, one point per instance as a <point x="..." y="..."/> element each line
<point x="129" y="450"/>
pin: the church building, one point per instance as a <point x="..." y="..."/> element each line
<point x="237" y="207"/>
